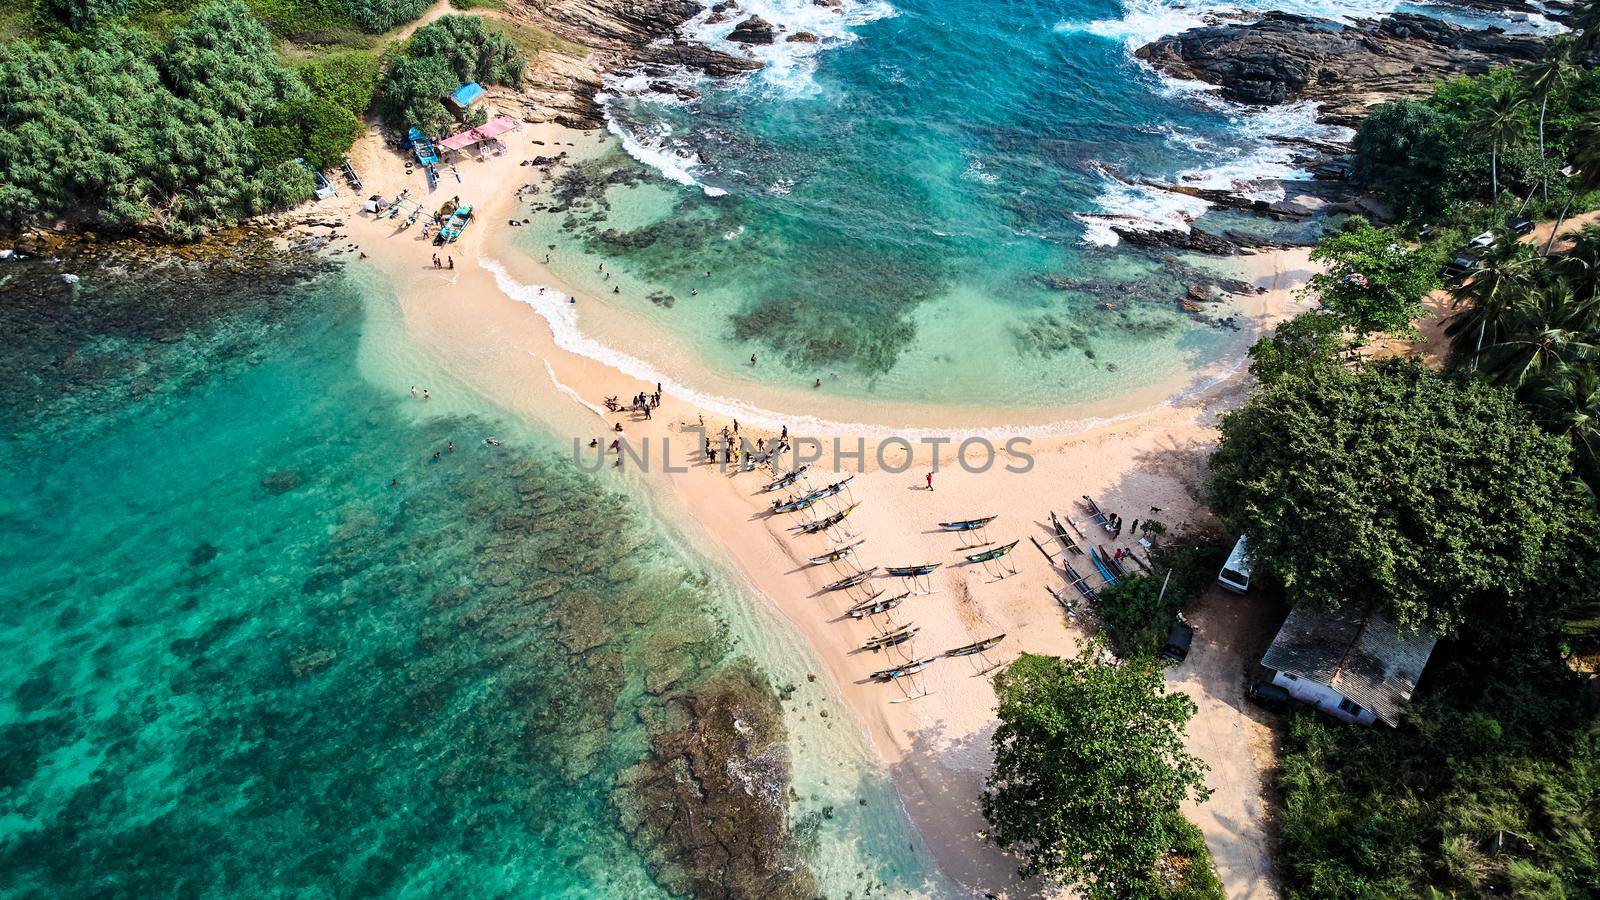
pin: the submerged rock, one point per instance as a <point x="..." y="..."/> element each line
<point x="707" y="810"/>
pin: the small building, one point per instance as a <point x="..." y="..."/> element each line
<point x="1352" y="663"/>
<point x="466" y="95"/>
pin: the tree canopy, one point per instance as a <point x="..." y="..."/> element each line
<point x="1089" y="771"/>
<point x="441" y="56"/>
<point x="1371" y="279"/>
<point x="124" y="132"/>
<point x="1433" y="494"/>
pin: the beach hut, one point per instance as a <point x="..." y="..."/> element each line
<point x="466" y="95"/>
<point x="487" y="133"/>
<point x="1353" y="663"/>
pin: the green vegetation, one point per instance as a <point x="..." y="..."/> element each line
<point x="1135" y="616"/>
<point x="1371" y="279"/>
<point x="439" y="58"/>
<point x="1480" y="142"/>
<point x="179" y="116"/>
<point x="123" y="132"/>
<point x="1457" y="499"/>
<point x="1432" y="492"/>
<point x="1090" y="769"/>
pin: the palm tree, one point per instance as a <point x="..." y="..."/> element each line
<point x="1567" y="401"/>
<point x="1499" y="120"/>
<point x="1489" y="294"/>
<point x="1579" y="266"/>
<point x="1542" y="78"/>
<point x="1586" y="22"/>
<point x="1547" y="331"/>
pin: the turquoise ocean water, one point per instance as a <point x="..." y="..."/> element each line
<point x="919" y="201"/>
<point x="234" y="661"/>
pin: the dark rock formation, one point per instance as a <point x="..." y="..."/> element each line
<point x="1281" y="58"/>
<point x="754" y="30"/>
<point x="708" y="809"/>
<point x="802" y="37"/>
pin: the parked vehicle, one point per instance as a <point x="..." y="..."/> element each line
<point x="1179" y="640"/>
<point x="1520" y="225"/>
<point x="1267" y="695"/>
<point x="1235" y="574"/>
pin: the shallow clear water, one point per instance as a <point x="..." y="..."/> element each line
<point x="918" y="202"/>
<point x="235" y="661"/>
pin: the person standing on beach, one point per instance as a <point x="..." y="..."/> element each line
<point x="1135" y="528"/>
<point x="930" y="481"/>
<point x="735" y="426"/>
<point x="752" y="359"/>
<point x="413" y="391"/>
<point x="452" y="261"/>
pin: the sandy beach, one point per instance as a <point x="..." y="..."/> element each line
<point x="1140" y="456"/>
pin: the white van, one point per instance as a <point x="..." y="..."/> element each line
<point x="1235" y="574"/>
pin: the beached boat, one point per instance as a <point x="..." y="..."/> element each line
<point x="1112" y="562"/>
<point x="794" y="505"/>
<point x="891" y="639"/>
<point x="875" y="605"/>
<point x="850" y="581"/>
<point x="837" y="554"/>
<point x="967" y="524"/>
<point x="458" y="223"/>
<point x="976" y="646"/>
<point x="996" y="553"/>
<point x="1062" y="535"/>
<point x="1078" y="582"/>
<point x="423" y="147"/>
<point x="1100" y="518"/>
<point x="910" y="668"/>
<point x="824" y="524"/>
<point x="911" y="571"/>
<point x="786" y="480"/>
<point x="1100" y="564"/>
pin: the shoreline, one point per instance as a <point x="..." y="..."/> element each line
<point x="936" y="750"/>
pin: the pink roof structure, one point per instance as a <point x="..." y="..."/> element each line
<point x="491" y="129"/>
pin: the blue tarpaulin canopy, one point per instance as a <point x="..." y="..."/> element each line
<point x="467" y="94"/>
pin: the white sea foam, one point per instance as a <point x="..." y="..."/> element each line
<point x="562" y="317"/>
<point x="788" y="66"/>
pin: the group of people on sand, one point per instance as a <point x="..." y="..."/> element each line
<point x="449" y="262"/>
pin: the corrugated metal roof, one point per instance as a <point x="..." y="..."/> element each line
<point x="1357" y="651"/>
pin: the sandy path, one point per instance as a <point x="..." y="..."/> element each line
<point x="936" y="747"/>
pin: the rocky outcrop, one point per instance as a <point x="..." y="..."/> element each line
<point x="802" y="37"/>
<point x="618" y="36"/>
<point x="1282" y="58"/>
<point x="754" y="30"/>
<point x="708" y="808"/>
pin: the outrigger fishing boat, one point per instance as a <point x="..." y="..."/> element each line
<point x="967" y="524"/>
<point x="1062" y="536"/>
<point x="794" y="505"/>
<point x="1111" y="560"/>
<point x="891" y="639"/>
<point x="1100" y="518"/>
<point x="875" y="605"/>
<point x="1105" y="571"/>
<point x="910" y="668"/>
<point x="976" y="647"/>
<point x="786" y="480"/>
<point x="850" y="581"/>
<point x="824" y="524"/>
<point x="911" y="571"/>
<point x="1077" y="581"/>
<point x="837" y="554"/>
<point x="423" y="147"/>
<point x="996" y="553"/>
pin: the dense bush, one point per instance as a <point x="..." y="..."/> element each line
<point x="124" y="132"/>
<point x="1491" y="786"/>
<point x="81" y="14"/>
<point x="347" y="79"/>
<point x="440" y="57"/>
<point x="382" y="15"/>
<point x="1435" y="159"/>
<point x="1435" y="494"/>
<point x="1135" y="615"/>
